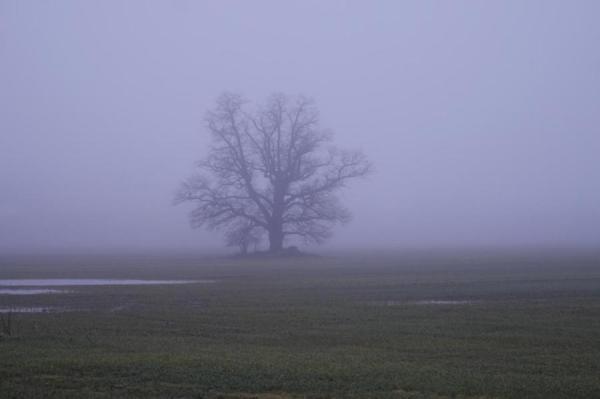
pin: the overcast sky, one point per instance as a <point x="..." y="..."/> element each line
<point x="482" y="118"/>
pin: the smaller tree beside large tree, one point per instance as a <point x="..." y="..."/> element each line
<point x="270" y="170"/>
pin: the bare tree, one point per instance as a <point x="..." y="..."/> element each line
<point x="273" y="168"/>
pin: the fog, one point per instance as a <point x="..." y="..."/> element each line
<point x="481" y="118"/>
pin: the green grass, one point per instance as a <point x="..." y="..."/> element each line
<point x="310" y="328"/>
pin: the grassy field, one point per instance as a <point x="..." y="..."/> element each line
<point x="526" y="325"/>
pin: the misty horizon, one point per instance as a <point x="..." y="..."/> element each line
<point x="481" y="120"/>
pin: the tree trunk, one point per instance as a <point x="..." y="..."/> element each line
<point x="276" y="238"/>
<point x="276" y="222"/>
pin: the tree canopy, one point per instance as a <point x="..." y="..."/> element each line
<point x="270" y="169"/>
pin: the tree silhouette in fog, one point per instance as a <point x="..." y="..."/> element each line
<point x="270" y="169"/>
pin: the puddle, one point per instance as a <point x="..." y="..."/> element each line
<point x="422" y="302"/>
<point x="6" y="288"/>
<point x="34" y="309"/>
<point x="64" y="282"/>
<point x="30" y="291"/>
<point x="438" y="302"/>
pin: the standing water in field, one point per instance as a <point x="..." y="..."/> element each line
<point x="29" y="291"/>
<point x="442" y="302"/>
<point x="31" y="309"/>
<point x="422" y="302"/>
<point x="51" y="282"/>
<point x="65" y="283"/>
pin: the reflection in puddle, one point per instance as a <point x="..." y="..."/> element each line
<point x="51" y="282"/>
<point x="438" y="302"/>
<point x="5" y="290"/>
<point x="13" y="290"/>
<point x="30" y="291"/>
<point x="422" y="302"/>
<point x="34" y="309"/>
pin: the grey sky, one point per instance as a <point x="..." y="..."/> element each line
<point x="482" y="118"/>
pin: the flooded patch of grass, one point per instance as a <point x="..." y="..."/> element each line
<point x="67" y="282"/>
<point x="441" y="302"/>
<point x="31" y="309"/>
<point x="30" y="291"/>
